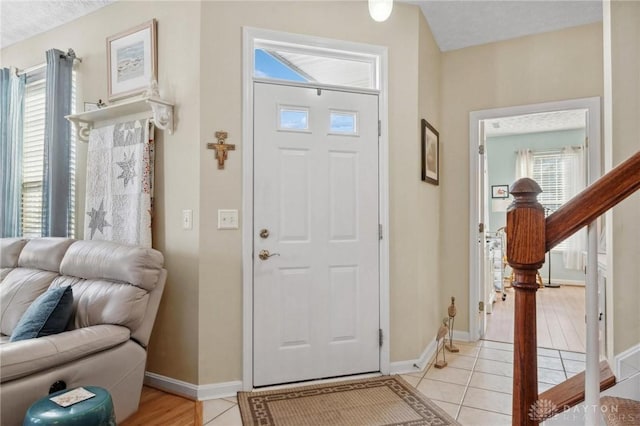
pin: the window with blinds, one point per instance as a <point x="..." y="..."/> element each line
<point x="549" y="173"/>
<point x="33" y="152"/>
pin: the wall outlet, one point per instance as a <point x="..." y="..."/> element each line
<point x="227" y="219"/>
<point x="187" y="219"/>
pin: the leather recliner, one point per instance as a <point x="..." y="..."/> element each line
<point x="116" y="294"/>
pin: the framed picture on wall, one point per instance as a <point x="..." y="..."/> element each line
<point x="499" y="191"/>
<point x="132" y="61"/>
<point x="430" y="153"/>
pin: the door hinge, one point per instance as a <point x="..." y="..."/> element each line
<point x="379" y="128"/>
<point x="481" y="227"/>
<point x="481" y="306"/>
<point x="380" y="337"/>
<point x="481" y="150"/>
<point x="380" y="231"/>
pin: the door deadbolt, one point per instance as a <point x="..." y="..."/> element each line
<point x="264" y="233"/>
<point x="264" y="254"/>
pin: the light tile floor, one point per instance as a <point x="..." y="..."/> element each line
<point x="475" y="387"/>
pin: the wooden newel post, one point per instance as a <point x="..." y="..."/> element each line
<point x="525" y="254"/>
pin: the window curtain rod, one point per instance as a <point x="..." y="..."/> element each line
<point x="71" y="54"/>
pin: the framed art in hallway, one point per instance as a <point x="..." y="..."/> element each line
<point x="132" y="61"/>
<point x="430" y="153"/>
<point x="499" y="191"/>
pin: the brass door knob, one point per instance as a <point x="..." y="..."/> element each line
<point x="264" y="254"/>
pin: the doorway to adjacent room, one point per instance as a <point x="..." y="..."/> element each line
<point x="557" y="145"/>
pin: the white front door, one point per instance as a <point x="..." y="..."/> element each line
<point x="316" y="298"/>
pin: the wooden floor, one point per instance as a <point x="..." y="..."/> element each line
<point x="161" y="408"/>
<point x="560" y="318"/>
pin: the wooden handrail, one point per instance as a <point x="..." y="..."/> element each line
<point x="571" y="392"/>
<point x="529" y="237"/>
<point x="596" y="199"/>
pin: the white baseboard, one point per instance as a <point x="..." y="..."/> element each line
<point x="413" y="365"/>
<point x="191" y="391"/>
<point x="188" y="390"/>
<point x="627" y="363"/>
<point x="462" y="336"/>
<point x="219" y="390"/>
<point x="568" y="282"/>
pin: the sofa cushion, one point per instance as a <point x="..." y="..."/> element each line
<point x="112" y="261"/>
<point x="99" y="301"/>
<point x="48" y="314"/>
<point x="18" y="359"/>
<point x="44" y="253"/>
<point x="10" y="249"/>
<point x="18" y="290"/>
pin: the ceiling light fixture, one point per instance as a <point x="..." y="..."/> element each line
<point x="380" y="10"/>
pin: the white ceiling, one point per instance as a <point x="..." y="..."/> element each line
<point x="461" y="23"/>
<point x="536" y="123"/>
<point x="21" y="19"/>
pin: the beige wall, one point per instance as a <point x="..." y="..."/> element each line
<point x="426" y="222"/>
<point x="413" y="254"/>
<point x="198" y="334"/>
<point x="625" y="275"/>
<point x="541" y="68"/>
<point x="174" y="345"/>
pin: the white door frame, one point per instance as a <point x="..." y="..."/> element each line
<point x="594" y="135"/>
<point x="250" y="36"/>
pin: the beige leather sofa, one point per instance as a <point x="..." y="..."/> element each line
<point x="116" y="293"/>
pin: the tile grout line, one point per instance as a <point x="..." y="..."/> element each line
<point x="466" y="388"/>
<point x="230" y="408"/>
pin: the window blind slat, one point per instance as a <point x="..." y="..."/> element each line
<point x="33" y="151"/>
<point x="549" y="173"/>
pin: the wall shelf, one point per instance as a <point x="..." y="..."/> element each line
<point x="157" y="109"/>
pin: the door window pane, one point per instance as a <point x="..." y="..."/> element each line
<point x="343" y="122"/>
<point x="324" y="66"/>
<point x="296" y="119"/>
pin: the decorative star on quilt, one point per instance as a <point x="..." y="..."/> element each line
<point x="98" y="219"/>
<point x="128" y="168"/>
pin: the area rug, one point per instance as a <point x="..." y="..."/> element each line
<point x="386" y="400"/>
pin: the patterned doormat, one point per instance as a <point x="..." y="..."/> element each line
<point x="386" y="400"/>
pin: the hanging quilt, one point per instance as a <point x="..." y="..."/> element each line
<point x="120" y="183"/>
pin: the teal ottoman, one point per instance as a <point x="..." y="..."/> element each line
<point x="95" y="411"/>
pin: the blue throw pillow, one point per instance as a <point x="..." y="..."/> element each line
<point x="48" y="314"/>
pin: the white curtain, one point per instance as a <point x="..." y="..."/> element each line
<point x="573" y="163"/>
<point x="524" y="164"/>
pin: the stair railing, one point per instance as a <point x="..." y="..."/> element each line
<point x="529" y="237"/>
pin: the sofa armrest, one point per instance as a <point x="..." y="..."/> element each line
<point x="18" y="359"/>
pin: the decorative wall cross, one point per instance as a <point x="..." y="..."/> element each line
<point x="221" y="148"/>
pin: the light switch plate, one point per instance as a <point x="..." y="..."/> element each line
<point x="187" y="219"/>
<point x="227" y="219"/>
